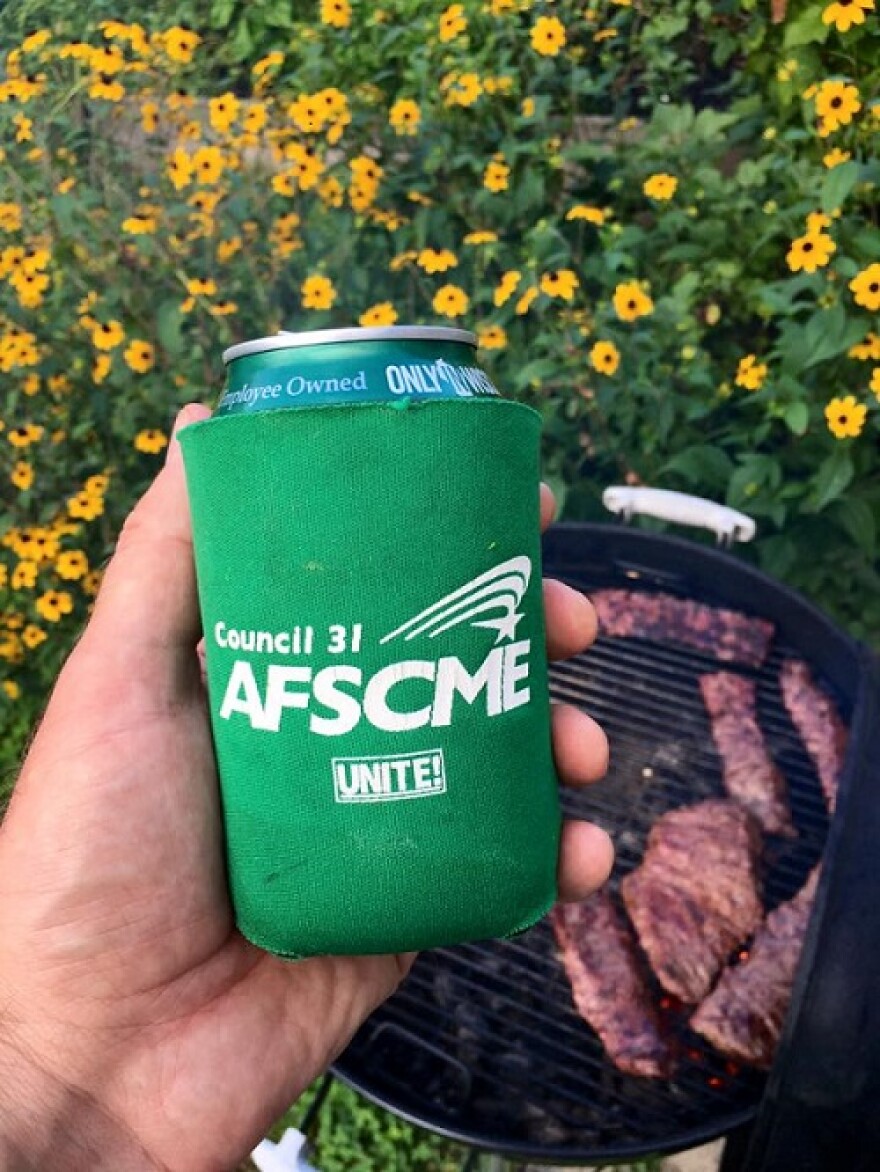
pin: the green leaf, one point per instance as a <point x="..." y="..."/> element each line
<point x="797" y="417"/>
<point x="857" y="518"/>
<point x="221" y="13"/>
<point x="839" y="182"/>
<point x="807" y="29"/>
<point x="169" y="327"/>
<point x="829" y="333"/>
<point x="834" y="475"/>
<point x="702" y="465"/>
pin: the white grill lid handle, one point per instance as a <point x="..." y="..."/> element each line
<point x="727" y="524"/>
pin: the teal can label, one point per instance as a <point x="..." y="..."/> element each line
<point x="325" y="367"/>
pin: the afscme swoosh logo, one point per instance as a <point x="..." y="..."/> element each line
<point x="496" y="594"/>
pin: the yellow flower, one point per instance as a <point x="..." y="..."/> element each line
<point x="436" y="262"/>
<point x="101" y="368"/>
<point x="151" y="441"/>
<point x="226" y="249"/>
<point x="32" y="636"/>
<point x="109" y="91"/>
<point x="405" y="116"/>
<point x="816" y="222"/>
<point x="560" y="283"/>
<point x="12" y="689"/>
<point x="836" y="157"/>
<point x="31" y="384"/>
<point x="25" y="435"/>
<point x="53" y="605"/>
<point x="71" y="565"/>
<point x="604" y="34"/>
<point x="10" y="217"/>
<point x="317" y="292"/>
<point x="139" y="356"/>
<point x="452" y="22"/>
<point x="605" y="357"/>
<point x="451" y="301"/>
<point x="525" y="302"/>
<point x="527" y="109"/>
<point x="875" y="381"/>
<point x="810" y="252"/>
<point x="85" y="506"/>
<point x="336" y="13"/>
<point x="139" y="225"/>
<point x="36" y="40"/>
<point x="506" y="287"/>
<point x="179" y="43"/>
<point x="750" y="373"/>
<point x="107" y="335"/>
<point x="97" y="485"/>
<point x="491" y="338"/>
<point x="845" y="417"/>
<point x="660" y="186"/>
<point x="868" y="349"/>
<point x="481" y="236"/>
<point x="179" y="168"/>
<point x="91" y="582"/>
<point x="208" y="163"/>
<point x="496" y="176"/>
<point x="865" y="288"/>
<point x="837" y="103"/>
<point x="22" y="475"/>
<point x="583" y="211"/>
<point x="223" y="111"/>
<point x="381" y="314"/>
<point x="548" y="36"/>
<point x="201" y="287"/>
<point x="24" y="576"/>
<point x="461" y="89"/>
<point x="223" y="308"/>
<point x="846" y="13"/>
<point x="631" y="301"/>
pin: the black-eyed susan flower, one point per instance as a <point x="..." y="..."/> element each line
<point x="452" y="23"/>
<point x="526" y="301"/>
<point x="837" y="103"/>
<point x="660" y="186"/>
<point x="139" y="225"/>
<point x="91" y="582"/>
<point x="548" y="36"/>
<point x="179" y="168"/>
<point x="381" y="314"/>
<point x="72" y="565"/>
<point x="865" y="287"/>
<point x="496" y="176"/>
<point x="461" y="89"/>
<point x="586" y="212"/>
<point x="22" y="475"/>
<point x="151" y="441"/>
<point x="223" y="111"/>
<point x="867" y="350"/>
<point x="101" y="368"/>
<point x="631" y="301"/>
<point x="836" y="157"/>
<point x="24" y="576"/>
<point x="223" y="308"/>
<point x="208" y="163"/>
<point x="139" y="355"/>
<point x="32" y="636"/>
<point x="179" y="43"/>
<point x="404" y="116"/>
<point x="481" y="236"/>
<point x="25" y="435"/>
<point x="506" y="287"/>
<point x="317" y="292"/>
<point x="492" y="337"/>
<point x="810" y="252"/>
<point x="10" y="217"/>
<point x="750" y="373"/>
<point x="605" y="357"/>
<point x="450" y="301"/>
<point x="436" y="260"/>
<point x="560" y="283"/>
<point x="845" y="417"/>
<point x="12" y="690"/>
<point x="875" y="381"/>
<point x="85" y="506"/>
<point x="54" y="605"/>
<point x="107" y="335"/>
<point x="843" y="14"/>
<point x="336" y="13"/>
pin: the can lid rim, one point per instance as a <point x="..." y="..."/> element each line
<point x="292" y="340"/>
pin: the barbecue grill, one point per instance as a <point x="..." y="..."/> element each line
<point x="482" y="1044"/>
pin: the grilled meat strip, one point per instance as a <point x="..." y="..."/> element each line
<point x="818" y="722"/>
<point x="750" y="776"/>
<point x="694" y="897"/>
<point x="743" y="1015"/>
<point x="609" y="984"/>
<point x="726" y="634"/>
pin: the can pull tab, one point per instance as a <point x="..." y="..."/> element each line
<point x="727" y="524"/>
<point x="285" y="1156"/>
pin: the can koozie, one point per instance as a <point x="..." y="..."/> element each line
<point x="370" y="583"/>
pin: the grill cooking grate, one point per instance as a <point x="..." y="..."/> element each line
<point x="482" y="1042"/>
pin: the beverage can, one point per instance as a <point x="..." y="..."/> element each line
<point x="379" y="365"/>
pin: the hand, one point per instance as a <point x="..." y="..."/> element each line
<point x="138" y="1029"/>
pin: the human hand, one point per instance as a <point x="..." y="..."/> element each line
<point x="138" y="1029"/>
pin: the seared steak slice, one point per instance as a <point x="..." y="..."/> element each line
<point x="609" y="984"/>
<point x="750" y="775"/>
<point x="694" y="897"/>
<point x="818" y="722"/>
<point x="726" y="634"/>
<point x="743" y="1015"/>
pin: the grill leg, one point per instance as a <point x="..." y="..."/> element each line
<point x="735" y="1146"/>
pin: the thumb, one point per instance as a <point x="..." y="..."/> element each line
<point x="147" y="614"/>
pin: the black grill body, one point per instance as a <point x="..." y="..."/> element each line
<point x="482" y="1043"/>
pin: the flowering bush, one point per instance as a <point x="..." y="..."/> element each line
<point x="660" y="220"/>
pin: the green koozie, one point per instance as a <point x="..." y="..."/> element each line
<point x="369" y="573"/>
